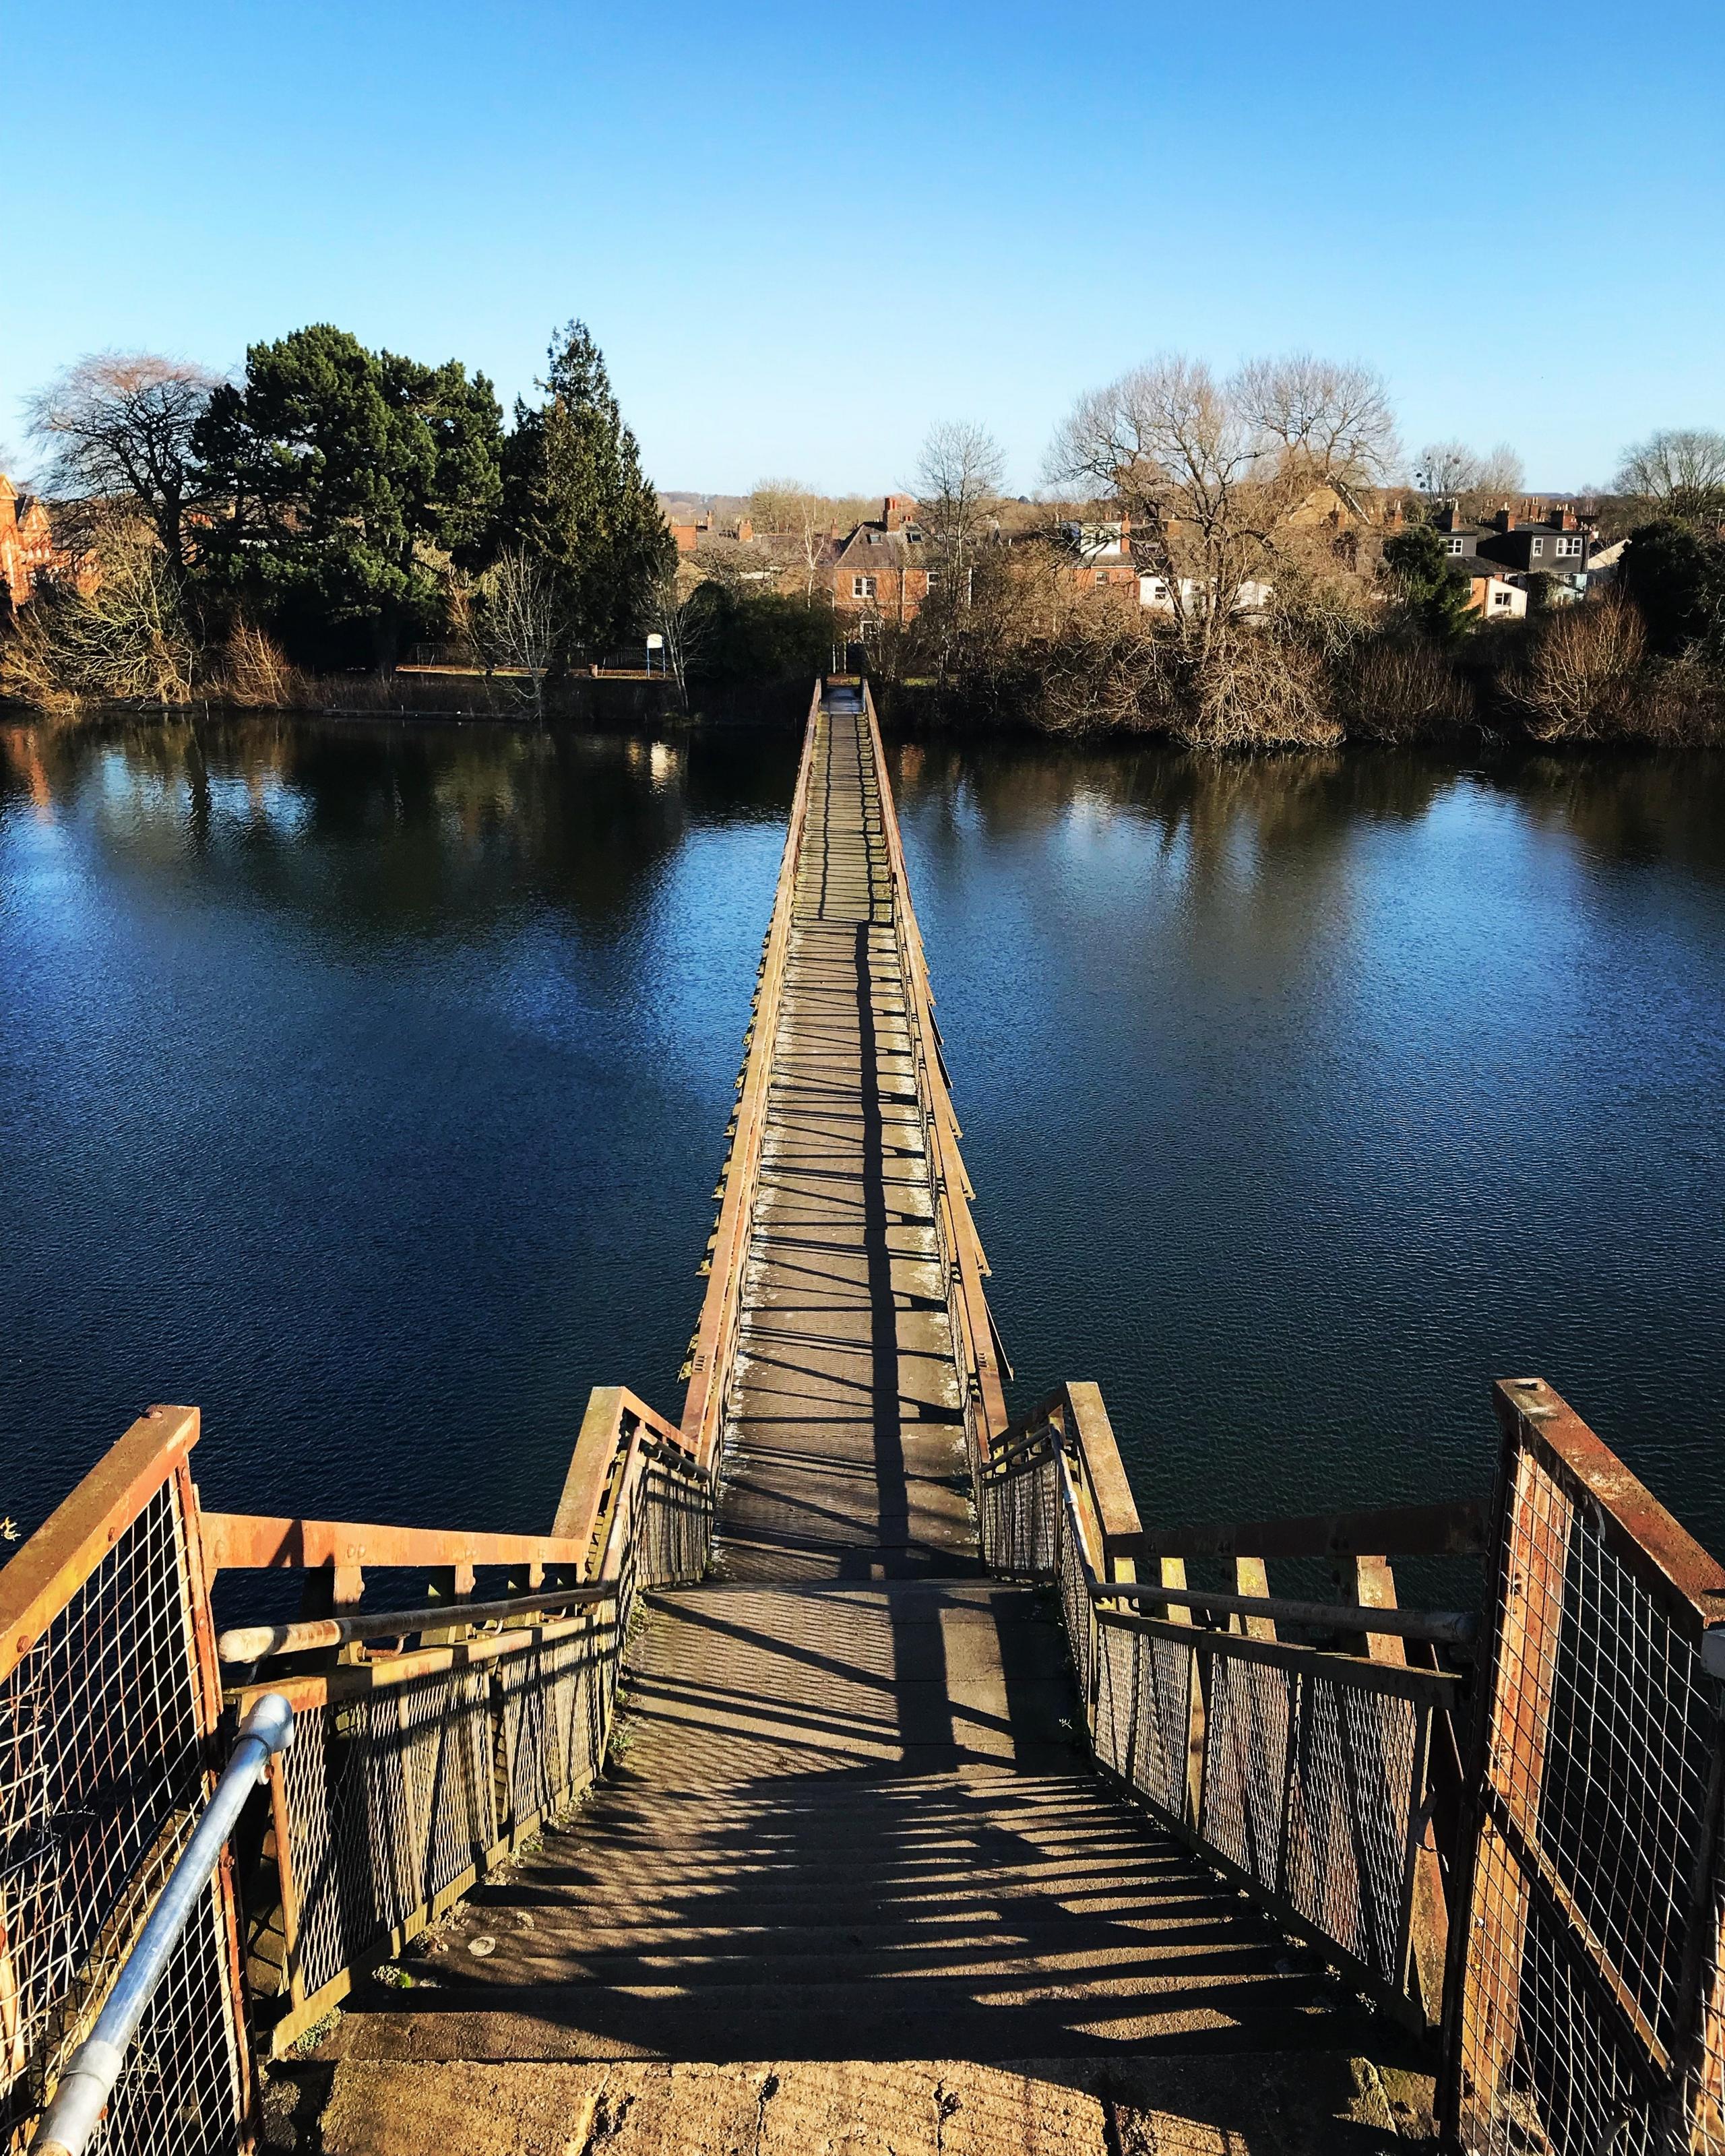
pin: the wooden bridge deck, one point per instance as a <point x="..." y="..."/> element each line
<point x="850" y="1815"/>
<point x="844" y="1458"/>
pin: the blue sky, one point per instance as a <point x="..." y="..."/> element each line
<point x="802" y="234"/>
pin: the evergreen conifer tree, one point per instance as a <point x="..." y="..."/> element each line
<point x="1434" y="590"/>
<point x="575" y="497"/>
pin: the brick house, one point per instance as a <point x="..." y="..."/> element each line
<point x="1102" y="554"/>
<point x="879" y="571"/>
<point x="27" y="547"/>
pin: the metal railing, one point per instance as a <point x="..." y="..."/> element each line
<point x="1306" y="1775"/>
<point x="1588" y="1986"/>
<point x="109" y="1700"/>
<point x="419" y="1767"/>
<point x="71" y="2120"/>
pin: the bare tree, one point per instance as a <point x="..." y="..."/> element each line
<point x="520" y="622"/>
<point x="1333" y="417"/>
<point x="958" y="479"/>
<point x="786" y="510"/>
<point x="118" y="428"/>
<point x="1679" y="472"/>
<point x="1450" y="471"/>
<point x="124" y="640"/>
<point x="1446" y="470"/>
<point x="1582" y="679"/>
<point x="682" y="620"/>
<point x="1214" y="474"/>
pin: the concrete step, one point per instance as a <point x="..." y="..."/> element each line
<point x="1253" y="2105"/>
<point x="1013" y="2014"/>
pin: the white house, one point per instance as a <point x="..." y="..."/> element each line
<point x="1154" y="592"/>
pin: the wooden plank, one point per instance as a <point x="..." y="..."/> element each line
<point x="252" y="1643"/>
<point x="56" y="1560"/>
<point x="359" y="1680"/>
<point x="1449" y="1626"/>
<point x="1689" y="1582"/>
<point x="1527" y="1613"/>
<point x="1116" y="1511"/>
<point x="249" y="1542"/>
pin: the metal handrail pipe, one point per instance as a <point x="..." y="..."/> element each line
<point x="1449" y="1627"/>
<point x="85" y="2088"/>
<point x="252" y="1643"/>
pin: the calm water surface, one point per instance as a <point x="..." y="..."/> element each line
<point x="366" y="1086"/>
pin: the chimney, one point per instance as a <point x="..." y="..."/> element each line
<point x="1505" y="520"/>
<point x="1449" y="518"/>
<point x="744" y="530"/>
<point x="1562" y="518"/>
<point x="896" y="511"/>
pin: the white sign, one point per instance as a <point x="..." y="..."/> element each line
<point x="655" y="643"/>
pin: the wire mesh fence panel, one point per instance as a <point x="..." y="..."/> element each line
<point x="1589" y="1991"/>
<point x="1354" y="1790"/>
<point x="389" y="1799"/>
<point x="1115" y="1716"/>
<point x="675" y="1525"/>
<point x="1163" y="1736"/>
<point x="1248" y="1722"/>
<point x="553" y="1703"/>
<point x="104" y="1724"/>
<point x="1072" y="1576"/>
<point x="399" y="1797"/>
<point x="1016" y="1518"/>
<point x="183" y="2090"/>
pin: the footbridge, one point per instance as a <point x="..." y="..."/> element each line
<point x="848" y="1765"/>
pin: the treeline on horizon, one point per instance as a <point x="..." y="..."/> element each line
<point x="247" y="539"/>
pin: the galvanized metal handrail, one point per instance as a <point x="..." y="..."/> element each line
<point x="88" y="2083"/>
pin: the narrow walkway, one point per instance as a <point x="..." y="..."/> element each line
<point x="848" y="1819"/>
<point x="845" y="1459"/>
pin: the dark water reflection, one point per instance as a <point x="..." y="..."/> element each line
<point x="365" y="1084"/>
<point x="1305" y="1096"/>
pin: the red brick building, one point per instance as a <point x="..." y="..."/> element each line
<point x="879" y="572"/>
<point x="27" y="547"/>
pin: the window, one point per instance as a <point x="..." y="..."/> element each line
<point x="862" y="588"/>
<point x="1537" y="548"/>
<point x="1569" y="547"/>
<point x="1101" y="576"/>
<point x="1457" y="545"/>
<point x="1500" y="599"/>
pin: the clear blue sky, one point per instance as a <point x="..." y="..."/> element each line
<point x="800" y="234"/>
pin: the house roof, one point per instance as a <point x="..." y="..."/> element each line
<point x="872" y="539"/>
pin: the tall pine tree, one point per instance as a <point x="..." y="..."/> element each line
<point x="574" y="495"/>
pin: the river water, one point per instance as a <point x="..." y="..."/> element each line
<point x="365" y="1084"/>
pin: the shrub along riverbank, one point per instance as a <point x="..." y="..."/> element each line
<point x="1398" y="659"/>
